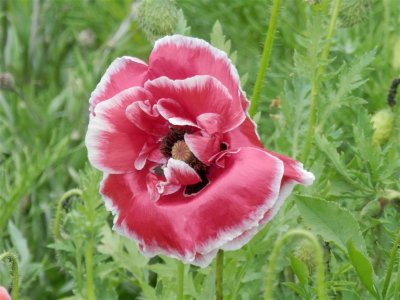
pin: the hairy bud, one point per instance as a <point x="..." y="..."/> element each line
<point x="306" y="253"/>
<point x="312" y="2"/>
<point x="353" y="12"/>
<point x="86" y="38"/>
<point x="382" y="122"/>
<point x="157" y="18"/>
<point x="7" y="82"/>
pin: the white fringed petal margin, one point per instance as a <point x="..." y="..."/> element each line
<point x="230" y="239"/>
<point x="124" y="72"/>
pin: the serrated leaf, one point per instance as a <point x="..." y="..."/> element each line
<point x="332" y="222"/>
<point x="330" y="151"/>
<point x="300" y="269"/>
<point x="363" y="268"/>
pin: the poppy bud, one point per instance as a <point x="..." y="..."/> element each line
<point x="157" y="18"/>
<point x="312" y="2"/>
<point x="353" y="12"/>
<point x="382" y="122"/>
<point x="86" y="38"/>
<point x="305" y="252"/>
<point x="7" y="82"/>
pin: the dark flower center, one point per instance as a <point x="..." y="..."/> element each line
<point x="173" y="145"/>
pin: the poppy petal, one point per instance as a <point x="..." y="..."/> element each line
<point x="192" y="228"/>
<point x="113" y="142"/>
<point x="124" y="72"/>
<point x="193" y="97"/>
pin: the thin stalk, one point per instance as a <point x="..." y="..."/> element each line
<point x="180" y="277"/>
<point x="320" y="275"/>
<point x="15" y="274"/>
<point x="397" y="287"/>
<point x="58" y="213"/>
<point x="89" y="271"/>
<point x="266" y="55"/>
<point x="4" y="25"/>
<point x="315" y="85"/>
<point x="392" y="261"/>
<point x="219" y="276"/>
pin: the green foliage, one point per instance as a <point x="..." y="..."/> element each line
<point x="52" y="55"/>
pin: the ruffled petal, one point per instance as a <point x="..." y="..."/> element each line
<point x="147" y="118"/>
<point x="123" y="73"/>
<point x="243" y="136"/>
<point x="113" y="142"/>
<point x="203" y="147"/>
<point x="193" y="228"/>
<point x="190" y="98"/>
<point x="179" y="172"/>
<point x="180" y="57"/>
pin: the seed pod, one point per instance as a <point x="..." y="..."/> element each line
<point x="382" y="122"/>
<point x="157" y="18"/>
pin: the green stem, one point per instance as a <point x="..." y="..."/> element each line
<point x="14" y="267"/>
<point x="180" y="277"/>
<point x="392" y="261"/>
<point x="262" y="70"/>
<point x="315" y="86"/>
<point x="219" y="276"/>
<point x="58" y="213"/>
<point x="397" y="287"/>
<point x="320" y="276"/>
<point x="4" y="25"/>
<point x="89" y="271"/>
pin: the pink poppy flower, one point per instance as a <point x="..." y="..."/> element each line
<point x="4" y="295"/>
<point x="185" y="172"/>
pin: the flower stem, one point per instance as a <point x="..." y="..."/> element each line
<point x="58" y="213"/>
<point x="219" y="276"/>
<point x="14" y="267"/>
<point x="180" y="278"/>
<point x="392" y="261"/>
<point x="89" y="271"/>
<point x="315" y="85"/>
<point x="262" y="70"/>
<point x="320" y="276"/>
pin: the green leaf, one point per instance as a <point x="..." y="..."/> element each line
<point x="332" y="222"/>
<point x="363" y="268"/>
<point x="300" y="269"/>
<point x="218" y="39"/>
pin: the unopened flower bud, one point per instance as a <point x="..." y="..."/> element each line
<point x="353" y="12"/>
<point x="306" y="253"/>
<point x="312" y="2"/>
<point x="7" y="82"/>
<point x="157" y="18"/>
<point x="86" y="38"/>
<point x="382" y="122"/>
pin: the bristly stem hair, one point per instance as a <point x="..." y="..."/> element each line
<point x="15" y="273"/>
<point x="262" y="70"/>
<point x="315" y="84"/>
<point x="319" y="259"/>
